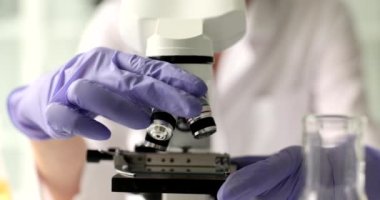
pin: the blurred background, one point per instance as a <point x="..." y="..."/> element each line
<point x="35" y="36"/>
<point x="39" y="35"/>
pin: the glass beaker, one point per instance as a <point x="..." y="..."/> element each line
<point x="334" y="158"/>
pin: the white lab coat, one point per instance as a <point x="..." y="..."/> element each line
<point x="298" y="57"/>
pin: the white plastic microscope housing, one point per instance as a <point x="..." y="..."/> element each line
<point x="156" y="28"/>
<point x="182" y="27"/>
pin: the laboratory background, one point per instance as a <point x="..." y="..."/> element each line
<point x="37" y="36"/>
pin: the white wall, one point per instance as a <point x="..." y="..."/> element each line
<point x="366" y="14"/>
<point x="35" y="36"/>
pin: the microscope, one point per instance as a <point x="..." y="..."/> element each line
<point x="186" y="33"/>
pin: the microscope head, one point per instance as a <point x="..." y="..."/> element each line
<point x="181" y="27"/>
<point x="186" y="33"/>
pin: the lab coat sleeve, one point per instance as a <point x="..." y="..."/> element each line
<point x="338" y="86"/>
<point x="102" y="29"/>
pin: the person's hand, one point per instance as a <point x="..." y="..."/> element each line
<point x="282" y="176"/>
<point x="121" y="87"/>
<point x="372" y="178"/>
<point x="277" y="177"/>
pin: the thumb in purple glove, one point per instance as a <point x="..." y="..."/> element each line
<point x="277" y="177"/>
<point x="372" y="179"/>
<point x="121" y="87"/>
<point x="282" y="175"/>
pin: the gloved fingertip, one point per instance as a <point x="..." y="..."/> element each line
<point x="234" y="188"/>
<point x="93" y="130"/>
<point x="65" y="122"/>
<point x="139" y="123"/>
<point x="194" y="85"/>
<point x="193" y="108"/>
<point x="294" y="152"/>
<point x="370" y="150"/>
<point x="201" y="88"/>
<point x="241" y="162"/>
<point x="220" y="194"/>
<point x="89" y="128"/>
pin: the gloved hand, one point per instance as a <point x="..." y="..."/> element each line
<point x="118" y="86"/>
<point x="282" y="176"/>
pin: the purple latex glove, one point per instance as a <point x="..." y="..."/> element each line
<point x="282" y="175"/>
<point x="121" y="87"/>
